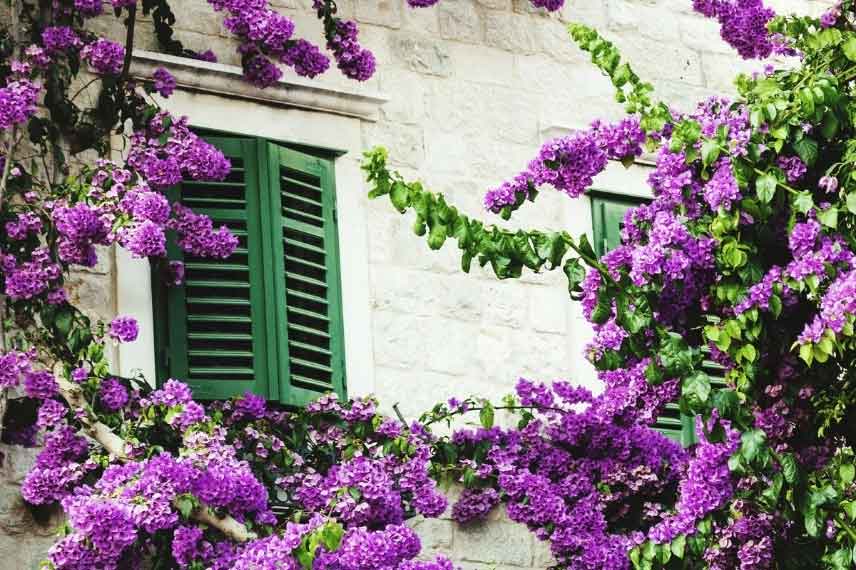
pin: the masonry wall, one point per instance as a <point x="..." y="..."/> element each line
<point x="472" y="88"/>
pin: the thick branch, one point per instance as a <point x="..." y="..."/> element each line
<point x="115" y="445"/>
<point x="10" y="137"/>
<point x="129" y="41"/>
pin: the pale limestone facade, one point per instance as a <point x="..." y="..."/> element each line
<point x="464" y="95"/>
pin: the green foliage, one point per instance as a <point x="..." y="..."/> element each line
<point x="508" y="252"/>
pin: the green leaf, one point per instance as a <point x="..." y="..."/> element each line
<point x="850" y="509"/>
<point x="575" y="273"/>
<point x="807" y="150"/>
<point x="790" y="468"/>
<point x="849" y="48"/>
<point x="486" y="415"/>
<point x="839" y="560"/>
<point x="679" y="545"/>
<point x="751" y="443"/>
<point x="830" y="125"/>
<point x="709" y="152"/>
<point x="399" y="196"/>
<point x="775" y="305"/>
<point x="437" y="236"/>
<point x="847" y="472"/>
<point x="811" y="521"/>
<point x="765" y="187"/>
<point x="675" y="356"/>
<point x="851" y="202"/>
<point x="696" y="388"/>
<point x="185" y="504"/>
<point x="828" y="217"/>
<point x="803" y="202"/>
<point x="807" y="101"/>
<point x="727" y="402"/>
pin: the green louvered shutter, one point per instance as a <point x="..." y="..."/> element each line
<point x="607" y="218"/>
<point x="217" y="325"/>
<point x="305" y="271"/>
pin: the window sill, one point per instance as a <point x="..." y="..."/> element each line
<point x="227" y="80"/>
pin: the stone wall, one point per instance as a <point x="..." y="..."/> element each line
<point x="473" y="88"/>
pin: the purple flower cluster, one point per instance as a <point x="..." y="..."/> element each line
<point x="475" y="504"/>
<point x="18" y="100"/>
<point x="196" y="234"/>
<point x="794" y="168"/>
<point x="743" y="25"/>
<point x="88" y="8"/>
<point x="829" y="18"/>
<point x="837" y="310"/>
<point x="549" y="5"/>
<point x="745" y="543"/>
<point x="250" y="406"/>
<point x="570" y="473"/>
<point x="124" y="329"/>
<point x="81" y="227"/>
<point x="814" y="253"/>
<point x="164" y="82"/>
<point x="29" y="279"/>
<point x="707" y="485"/>
<point x="183" y="155"/>
<point x="59" y="467"/>
<point x="722" y="191"/>
<point x="59" y="39"/>
<point x="13" y="366"/>
<point x="40" y="384"/>
<point x="266" y="37"/>
<point x="113" y="395"/>
<point x="570" y="164"/>
<point x="104" y="56"/>
<point x="51" y="413"/>
<point x="353" y="60"/>
<point x="25" y="224"/>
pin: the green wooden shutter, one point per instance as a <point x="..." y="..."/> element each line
<point x="305" y="266"/>
<point x="607" y="217"/>
<point x="217" y="322"/>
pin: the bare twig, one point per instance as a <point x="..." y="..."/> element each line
<point x="398" y="413"/>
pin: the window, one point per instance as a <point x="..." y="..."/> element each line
<point x="268" y="319"/>
<point x="607" y="217"/>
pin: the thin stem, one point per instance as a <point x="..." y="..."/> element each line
<point x="399" y="414"/>
<point x="850" y="530"/>
<point x="87" y="84"/>
<point x="480" y="408"/>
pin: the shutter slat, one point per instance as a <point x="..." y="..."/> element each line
<point x="299" y="277"/>
<point x="218" y="301"/>
<point x="214" y="266"/>
<point x="219" y="318"/>
<point x="301" y="328"/>
<point x="219" y="336"/>
<point x="218" y="329"/>
<point x="217" y="284"/>
<point x="309" y="252"/>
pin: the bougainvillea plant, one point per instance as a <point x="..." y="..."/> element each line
<point x="745" y="255"/>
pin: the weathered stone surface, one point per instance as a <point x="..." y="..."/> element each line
<point x="421" y="54"/>
<point x="460" y="20"/>
<point x="503" y="543"/>
<point x="436" y="535"/>
<point x="382" y="13"/>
